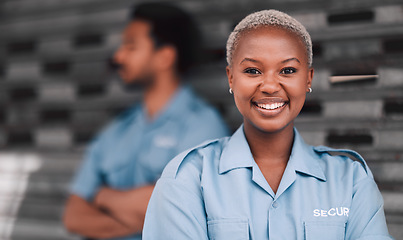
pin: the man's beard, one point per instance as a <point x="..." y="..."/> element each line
<point x="137" y="84"/>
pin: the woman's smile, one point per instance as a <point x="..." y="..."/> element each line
<point x="270" y="107"/>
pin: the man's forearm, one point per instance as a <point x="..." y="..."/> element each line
<point x="128" y="207"/>
<point x="84" y="219"/>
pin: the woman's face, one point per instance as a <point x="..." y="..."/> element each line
<point x="270" y="77"/>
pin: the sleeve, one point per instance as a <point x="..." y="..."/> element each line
<point x="88" y="180"/>
<point x="174" y="213"/>
<point x="367" y="219"/>
<point x="176" y="209"/>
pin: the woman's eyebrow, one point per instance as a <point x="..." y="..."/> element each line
<point x="290" y="59"/>
<point x="249" y="59"/>
<point x="256" y="61"/>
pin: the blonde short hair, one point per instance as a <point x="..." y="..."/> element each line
<point x="268" y="18"/>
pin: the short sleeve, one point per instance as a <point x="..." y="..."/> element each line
<point x="366" y="217"/>
<point x="176" y="208"/>
<point x="88" y="178"/>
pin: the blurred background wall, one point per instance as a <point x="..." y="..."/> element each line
<point x="56" y="92"/>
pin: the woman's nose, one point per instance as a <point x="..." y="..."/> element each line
<point x="270" y="84"/>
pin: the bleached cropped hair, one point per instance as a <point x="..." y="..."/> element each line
<point x="268" y="18"/>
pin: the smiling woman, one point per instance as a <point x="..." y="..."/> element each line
<point x="264" y="182"/>
<point x="269" y="75"/>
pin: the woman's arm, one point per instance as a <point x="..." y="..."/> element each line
<point x="366" y="216"/>
<point x="176" y="211"/>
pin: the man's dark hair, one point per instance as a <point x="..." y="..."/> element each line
<point x="171" y="25"/>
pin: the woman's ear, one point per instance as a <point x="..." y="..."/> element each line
<point x="310" y="77"/>
<point x="229" y="76"/>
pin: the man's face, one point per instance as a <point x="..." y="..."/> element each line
<point x="136" y="54"/>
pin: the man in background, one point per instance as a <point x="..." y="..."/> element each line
<point x="111" y="190"/>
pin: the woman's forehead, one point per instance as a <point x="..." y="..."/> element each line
<point x="269" y="32"/>
<point x="269" y="38"/>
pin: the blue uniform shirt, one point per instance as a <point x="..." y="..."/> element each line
<point x="132" y="151"/>
<point x="217" y="191"/>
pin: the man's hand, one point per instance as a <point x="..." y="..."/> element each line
<point x="83" y="218"/>
<point x="128" y="207"/>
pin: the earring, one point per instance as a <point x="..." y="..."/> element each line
<point x="230" y="90"/>
<point x="310" y="90"/>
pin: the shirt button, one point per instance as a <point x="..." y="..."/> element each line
<point x="275" y="204"/>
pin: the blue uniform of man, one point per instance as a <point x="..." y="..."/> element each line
<point x="132" y="151"/>
<point x="110" y="193"/>
<point x="217" y="191"/>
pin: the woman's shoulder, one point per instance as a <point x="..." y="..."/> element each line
<point x="190" y="162"/>
<point x="343" y="159"/>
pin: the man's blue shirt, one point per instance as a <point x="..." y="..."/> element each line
<point x="132" y="151"/>
<point x="217" y="191"/>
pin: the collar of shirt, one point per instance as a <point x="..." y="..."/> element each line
<point x="303" y="160"/>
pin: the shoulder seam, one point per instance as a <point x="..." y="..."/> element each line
<point x="353" y="155"/>
<point x="173" y="171"/>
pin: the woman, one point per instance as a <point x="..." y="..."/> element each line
<point x="264" y="182"/>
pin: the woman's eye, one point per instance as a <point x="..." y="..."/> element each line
<point x="288" y="70"/>
<point x="252" y="71"/>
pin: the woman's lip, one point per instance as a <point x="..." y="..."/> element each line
<point x="269" y="100"/>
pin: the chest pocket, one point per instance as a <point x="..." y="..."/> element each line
<point x="228" y="229"/>
<point x="119" y="177"/>
<point x="328" y="230"/>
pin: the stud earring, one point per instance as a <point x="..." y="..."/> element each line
<point x="310" y="90"/>
<point x="230" y="90"/>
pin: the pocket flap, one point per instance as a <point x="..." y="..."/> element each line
<point x="233" y="228"/>
<point x="329" y="230"/>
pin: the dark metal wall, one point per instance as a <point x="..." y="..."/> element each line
<point x="56" y="92"/>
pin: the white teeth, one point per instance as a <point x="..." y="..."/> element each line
<point x="271" y="106"/>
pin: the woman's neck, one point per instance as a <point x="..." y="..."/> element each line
<point x="270" y="146"/>
<point x="271" y="151"/>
